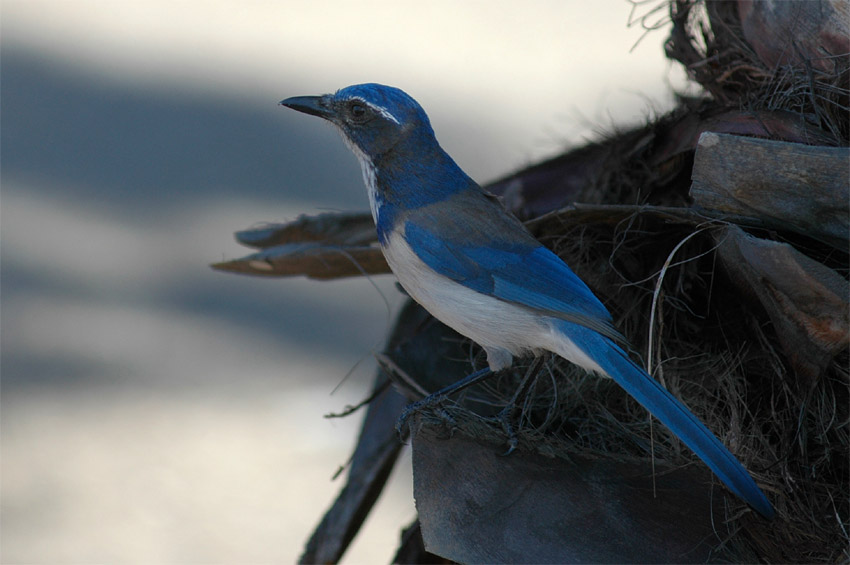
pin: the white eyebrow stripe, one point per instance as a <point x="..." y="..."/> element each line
<point x="382" y="111"/>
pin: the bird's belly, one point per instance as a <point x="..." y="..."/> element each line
<point x="492" y="323"/>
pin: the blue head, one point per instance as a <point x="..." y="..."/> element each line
<point x="373" y="118"/>
<point x="403" y="165"/>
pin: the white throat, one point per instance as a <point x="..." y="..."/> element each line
<point x="369" y="176"/>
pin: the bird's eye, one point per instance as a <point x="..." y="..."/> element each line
<point x="358" y="111"/>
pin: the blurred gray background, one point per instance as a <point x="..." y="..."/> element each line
<point x="156" y="411"/>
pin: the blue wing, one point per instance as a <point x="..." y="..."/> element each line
<point x="491" y="252"/>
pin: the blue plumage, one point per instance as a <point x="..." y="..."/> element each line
<point x="504" y="262"/>
<point x="476" y="268"/>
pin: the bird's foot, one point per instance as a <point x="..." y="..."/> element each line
<point x="439" y="396"/>
<point x="429" y="402"/>
<point x="505" y="420"/>
<point x="505" y="417"/>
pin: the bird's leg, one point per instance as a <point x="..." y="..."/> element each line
<point x="438" y="396"/>
<point x="504" y="417"/>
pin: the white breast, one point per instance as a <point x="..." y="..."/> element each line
<point x="503" y="329"/>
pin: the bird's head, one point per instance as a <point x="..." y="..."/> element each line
<point x="372" y="118"/>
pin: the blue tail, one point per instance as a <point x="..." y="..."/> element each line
<point x="672" y="414"/>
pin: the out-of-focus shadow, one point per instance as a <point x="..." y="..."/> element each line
<point x="155" y="409"/>
<point x="147" y="157"/>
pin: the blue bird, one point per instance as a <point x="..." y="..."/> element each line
<point x="475" y="267"/>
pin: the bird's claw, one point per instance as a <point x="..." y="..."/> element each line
<point x="503" y="418"/>
<point x="427" y="402"/>
<point x="402" y="420"/>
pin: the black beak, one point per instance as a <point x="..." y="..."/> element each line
<point x="313" y="105"/>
